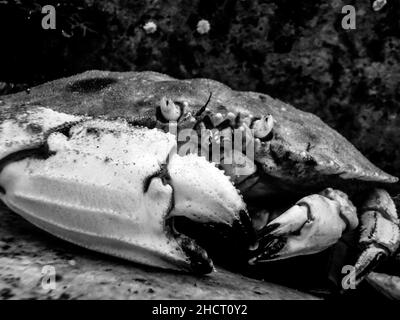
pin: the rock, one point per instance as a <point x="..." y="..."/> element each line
<point x="31" y="253"/>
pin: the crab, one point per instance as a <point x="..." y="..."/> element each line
<point x="127" y="164"/>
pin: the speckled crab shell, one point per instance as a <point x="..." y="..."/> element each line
<point x="304" y="151"/>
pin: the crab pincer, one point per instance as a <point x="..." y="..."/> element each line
<point x="313" y="224"/>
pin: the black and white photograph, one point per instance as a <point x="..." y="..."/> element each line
<point x="217" y="152"/>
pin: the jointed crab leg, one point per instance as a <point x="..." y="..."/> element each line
<point x="388" y="285"/>
<point x="319" y="221"/>
<point x="380" y="233"/>
<point x="312" y="225"/>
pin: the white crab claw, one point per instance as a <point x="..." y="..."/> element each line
<point x="90" y="192"/>
<point x="204" y="194"/>
<point x="263" y="126"/>
<point x="312" y="225"/>
<point x="169" y="109"/>
<point x="116" y="189"/>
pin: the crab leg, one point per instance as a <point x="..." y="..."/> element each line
<point x="380" y="233"/>
<point x="386" y="284"/>
<point x="312" y="225"/>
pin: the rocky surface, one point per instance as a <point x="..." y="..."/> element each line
<point x="26" y="252"/>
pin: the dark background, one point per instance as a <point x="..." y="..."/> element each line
<point x="293" y="50"/>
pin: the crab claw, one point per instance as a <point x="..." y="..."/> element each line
<point x="380" y="232"/>
<point x="312" y="225"/>
<point x="263" y="126"/>
<point x="169" y="109"/>
<point x="116" y="189"/>
<point x="203" y="194"/>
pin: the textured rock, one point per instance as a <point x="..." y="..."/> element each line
<point x="82" y="274"/>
